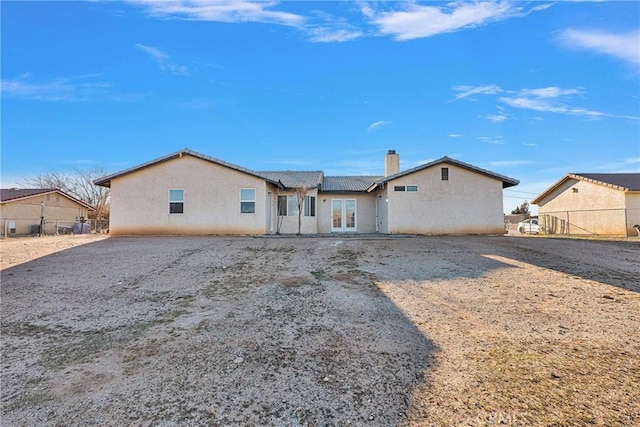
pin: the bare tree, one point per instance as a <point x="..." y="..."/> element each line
<point x="279" y="216"/>
<point x="52" y="179"/>
<point x="77" y="183"/>
<point x="300" y="192"/>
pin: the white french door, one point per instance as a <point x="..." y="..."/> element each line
<point x="343" y="215"/>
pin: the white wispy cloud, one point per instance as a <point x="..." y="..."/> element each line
<point x="221" y="11"/>
<point x="544" y="105"/>
<point x="497" y="118"/>
<point x="414" y="21"/>
<point x="454" y="135"/>
<point x="323" y="27"/>
<point x="510" y="163"/>
<point x="327" y="34"/>
<point x="624" y="46"/>
<point x="163" y="60"/>
<point x="376" y="125"/>
<point x="529" y="144"/>
<point x="498" y="140"/>
<point x="82" y="88"/>
<point x="466" y="91"/>
<point x="626" y="165"/>
<point x="550" y="99"/>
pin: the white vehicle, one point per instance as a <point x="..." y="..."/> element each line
<point x="529" y="226"/>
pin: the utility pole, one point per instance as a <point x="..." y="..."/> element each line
<point x="41" y="231"/>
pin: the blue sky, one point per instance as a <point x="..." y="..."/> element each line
<point x="531" y="90"/>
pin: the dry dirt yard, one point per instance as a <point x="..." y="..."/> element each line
<point x="321" y="331"/>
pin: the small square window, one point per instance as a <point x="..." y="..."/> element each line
<point x="399" y="188"/>
<point x="412" y="188"/>
<point x="575" y="190"/>
<point x="444" y="174"/>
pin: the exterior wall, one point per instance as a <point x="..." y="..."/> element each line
<point x="365" y="211"/>
<point x="467" y="203"/>
<point x="592" y="209"/>
<point x="140" y="200"/>
<point x="382" y="211"/>
<point x="26" y="213"/>
<point x="632" y="203"/>
<point x="289" y="224"/>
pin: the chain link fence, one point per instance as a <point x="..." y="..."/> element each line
<point x="594" y="222"/>
<point x="10" y="227"/>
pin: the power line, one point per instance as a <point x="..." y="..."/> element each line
<point x="525" y="192"/>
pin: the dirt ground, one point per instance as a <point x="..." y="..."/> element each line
<point x="321" y="331"/>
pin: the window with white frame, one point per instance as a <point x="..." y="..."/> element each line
<point x="407" y="188"/>
<point x="287" y="205"/>
<point x="309" y="206"/>
<point x="176" y="201"/>
<point x="247" y="200"/>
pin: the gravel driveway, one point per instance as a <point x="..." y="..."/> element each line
<point x="313" y="331"/>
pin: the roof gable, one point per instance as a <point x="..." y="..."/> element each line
<point x="616" y="181"/>
<point x="506" y="181"/>
<point x="17" y="194"/>
<point x="106" y="181"/>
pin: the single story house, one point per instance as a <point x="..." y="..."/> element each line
<point x="190" y="193"/>
<point x="591" y="203"/>
<point x="22" y="211"/>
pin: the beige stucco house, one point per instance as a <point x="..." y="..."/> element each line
<point x="21" y="211"/>
<point x="591" y="203"/>
<point x="191" y="193"/>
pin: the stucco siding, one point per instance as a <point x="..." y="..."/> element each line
<point x="581" y="207"/>
<point x="26" y="213"/>
<point x="140" y="200"/>
<point x="632" y="202"/>
<point x="466" y="203"/>
<point x="365" y="211"/>
<point x="289" y="224"/>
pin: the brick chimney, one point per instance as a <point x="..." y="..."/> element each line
<point x="391" y="163"/>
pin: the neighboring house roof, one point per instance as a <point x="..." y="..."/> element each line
<point x="506" y="181"/>
<point x="106" y="181"/>
<point x="294" y="179"/>
<point x="7" y="194"/>
<point x="17" y="194"/>
<point x="348" y="184"/>
<point x="616" y="181"/>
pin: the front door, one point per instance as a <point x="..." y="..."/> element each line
<point x="343" y="215"/>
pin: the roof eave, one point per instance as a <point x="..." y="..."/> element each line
<point x="106" y="181"/>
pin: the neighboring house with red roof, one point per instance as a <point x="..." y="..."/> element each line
<point x="190" y="193"/>
<point x="21" y="210"/>
<point x="591" y="203"/>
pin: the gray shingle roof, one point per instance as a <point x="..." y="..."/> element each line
<point x="348" y="184"/>
<point x="628" y="181"/>
<point x="11" y="194"/>
<point x="7" y="194"/>
<point x="295" y="179"/>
